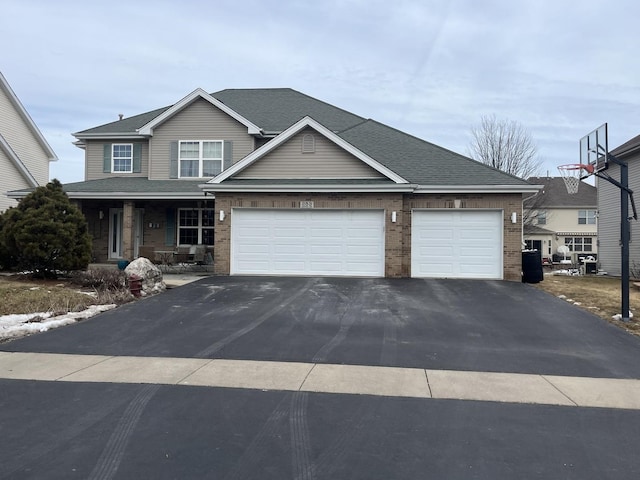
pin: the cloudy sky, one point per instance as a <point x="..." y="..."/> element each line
<point x="429" y="67"/>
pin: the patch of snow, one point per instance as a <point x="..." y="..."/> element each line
<point x="618" y="316"/>
<point x="17" y="325"/>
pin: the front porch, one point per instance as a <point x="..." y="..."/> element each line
<point x="178" y="235"/>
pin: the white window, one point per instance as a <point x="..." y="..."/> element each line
<point x="586" y="217"/>
<point x="195" y="226"/>
<point x="200" y="158"/>
<point x="542" y="217"/>
<point x="579" y="244"/>
<point x="122" y="157"/>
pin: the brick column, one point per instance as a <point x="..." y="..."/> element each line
<point x="127" y="230"/>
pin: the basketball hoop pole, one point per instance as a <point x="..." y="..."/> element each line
<point x="625" y="227"/>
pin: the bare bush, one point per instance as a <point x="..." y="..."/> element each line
<point x="101" y="279"/>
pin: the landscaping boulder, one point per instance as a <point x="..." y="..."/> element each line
<point x="150" y="274"/>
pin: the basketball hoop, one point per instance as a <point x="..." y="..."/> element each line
<point x="571" y="174"/>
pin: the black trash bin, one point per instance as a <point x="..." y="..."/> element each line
<point x="532" y="267"/>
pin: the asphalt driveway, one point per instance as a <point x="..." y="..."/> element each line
<point x="472" y="325"/>
<point x="57" y="424"/>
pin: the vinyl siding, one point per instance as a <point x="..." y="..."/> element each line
<point x="609" y="221"/>
<point x="198" y="121"/>
<point x="328" y="161"/>
<point x="11" y="179"/>
<point x="94" y="153"/>
<point x="23" y="142"/>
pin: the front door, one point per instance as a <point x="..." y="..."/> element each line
<point x="116" y="232"/>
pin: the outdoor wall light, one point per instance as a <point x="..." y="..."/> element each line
<point x="514" y="217"/>
<point x="221" y="215"/>
<point x="393" y="217"/>
<point x="100" y="214"/>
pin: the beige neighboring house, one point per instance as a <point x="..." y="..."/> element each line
<point x="554" y="218"/>
<point x="24" y="152"/>
<point x="275" y="182"/>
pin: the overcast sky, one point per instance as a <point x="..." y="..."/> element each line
<point x="431" y="68"/>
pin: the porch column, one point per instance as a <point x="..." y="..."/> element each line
<point x="127" y="230"/>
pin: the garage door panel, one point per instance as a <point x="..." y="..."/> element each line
<point x="308" y="242"/>
<point x="457" y="244"/>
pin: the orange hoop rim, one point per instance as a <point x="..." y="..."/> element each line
<point x="576" y="166"/>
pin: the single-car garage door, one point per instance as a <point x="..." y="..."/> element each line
<point x="307" y="242"/>
<point x="456" y="243"/>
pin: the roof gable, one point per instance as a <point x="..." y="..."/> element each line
<point x="306" y="122"/>
<point x="22" y="112"/>
<point x="147" y="129"/>
<point x="308" y="155"/>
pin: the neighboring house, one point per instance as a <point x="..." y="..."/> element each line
<point x="24" y="153"/>
<point x="554" y="218"/>
<point x="609" y="209"/>
<point x="275" y="182"/>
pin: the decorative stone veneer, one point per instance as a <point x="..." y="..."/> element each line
<point x="397" y="235"/>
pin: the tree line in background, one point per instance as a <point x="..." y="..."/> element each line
<point x="45" y="234"/>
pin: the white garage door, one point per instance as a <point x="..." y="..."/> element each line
<point x="307" y="242"/>
<point x="456" y="244"/>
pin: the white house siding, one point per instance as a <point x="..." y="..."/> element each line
<point x="198" y="121"/>
<point x="11" y="179"/>
<point x="327" y="161"/>
<point x="609" y="221"/>
<point x="94" y="156"/>
<point x="16" y="131"/>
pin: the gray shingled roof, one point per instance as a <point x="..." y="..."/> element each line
<point x="421" y="162"/>
<point x="554" y="194"/>
<point x="276" y="109"/>
<point x="126" y="125"/>
<point x="134" y="185"/>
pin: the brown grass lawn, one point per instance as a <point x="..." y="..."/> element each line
<point x="597" y="294"/>
<point x="33" y="296"/>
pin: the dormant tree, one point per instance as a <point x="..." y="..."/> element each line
<point x="505" y="145"/>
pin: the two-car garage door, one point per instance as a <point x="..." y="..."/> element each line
<point x="453" y="243"/>
<point x="456" y="243"/>
<point x="307" y="242"/>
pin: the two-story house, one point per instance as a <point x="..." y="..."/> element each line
<point x="273" y="182"/>
<point x="609" y="257"/>
<point x="24" y="152"/>
<point x="554" y="218"/>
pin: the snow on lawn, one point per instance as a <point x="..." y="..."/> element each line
<point x="18" y="325"/>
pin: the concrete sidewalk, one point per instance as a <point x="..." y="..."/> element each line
<point x="326" y="378"/>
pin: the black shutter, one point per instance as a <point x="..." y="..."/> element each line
<point x="106" y="158"/>
<point x="173" y="159"/>
<point x="137" y="157"/>
<point x="227" y="159"/>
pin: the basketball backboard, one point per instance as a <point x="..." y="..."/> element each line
<point x="594" y="149"/>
